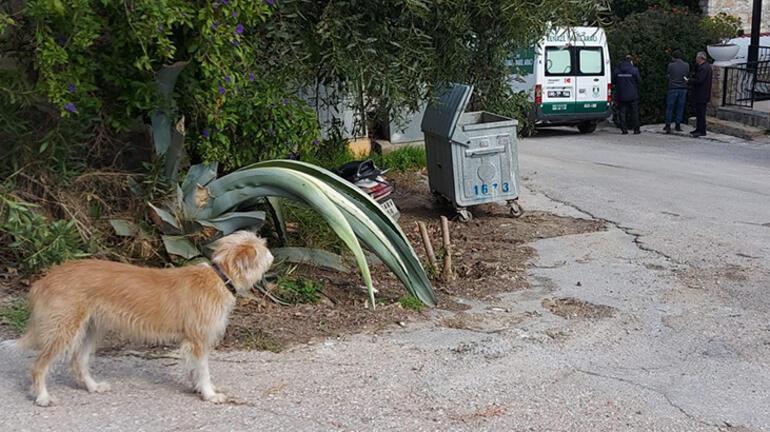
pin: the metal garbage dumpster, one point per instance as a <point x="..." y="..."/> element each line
<point x="472" y="156"/>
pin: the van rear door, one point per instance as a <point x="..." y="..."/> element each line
<point x="558" y="88"/>
<point x="591" y="79"/>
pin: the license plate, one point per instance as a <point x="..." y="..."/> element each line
<point x="390" y="208"/>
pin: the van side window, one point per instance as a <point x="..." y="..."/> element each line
<point x="558" y="61"/>
<point x="590" y="61"/>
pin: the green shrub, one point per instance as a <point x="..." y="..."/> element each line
<point x="411" y="302"/>
<point x="15" y="315"/>
<point x="650" y="37"/>
<point x="623" y="8"/>
<point x="298" y="290"/>
<point x="97" y="61"/>
<point x="36" y="243"/>
<point x="516" y="106"/>
<point x="407" y="158"/>
<point x="721" y="27"/>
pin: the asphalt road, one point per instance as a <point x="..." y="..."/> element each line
<point x="682" y="344"/>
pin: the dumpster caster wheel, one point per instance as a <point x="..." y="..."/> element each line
<point x="464" y="215"/>
<point x="515" y="208"/>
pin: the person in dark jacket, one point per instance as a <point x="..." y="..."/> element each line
<point x="626" y="84"/>
<point x="701" y="93"/>
<point x="676" y="96"/>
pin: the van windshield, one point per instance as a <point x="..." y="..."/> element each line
<point x="558" y="61"/>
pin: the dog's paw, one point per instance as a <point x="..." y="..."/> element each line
<point x="99" y="387"/>
<point x="45" y="400"/>
<point x="216" y="398"/>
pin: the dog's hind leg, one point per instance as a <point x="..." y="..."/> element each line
<point x="199" y="354"/>
<point x="59" y="337"/>
<point x="80" y="359"/>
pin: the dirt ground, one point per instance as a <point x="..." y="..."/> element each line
<point x="489" y="257"/>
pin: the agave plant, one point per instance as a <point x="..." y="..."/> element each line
<point x="206" y="207"/>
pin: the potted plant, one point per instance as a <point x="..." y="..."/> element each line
<point x="720" y="28"/>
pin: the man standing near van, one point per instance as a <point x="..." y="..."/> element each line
<point x="627" y="81"/>
<point x="701" y="93"/>
<point x="677" y="90"/>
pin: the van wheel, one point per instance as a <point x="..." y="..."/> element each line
<point x="587" y="127"/>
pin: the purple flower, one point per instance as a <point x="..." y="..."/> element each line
<point x="69" y="106"/>
<point x="234" y="14"/>
<point x="227" y="78"/>
<point x="239" y="29"/>
<point x="71" y="88"/>
<point x="214" y="26"/>
<point x="251" y="76"/>
<point x="205" y="133"/>
<point x="269" y="2"/>
<point x="316" y="142"/>
<point x="224" y="2"/>
<point x="285" y="101"/>
<point x="221" y="90"/>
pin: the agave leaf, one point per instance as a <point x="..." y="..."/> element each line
<point x="167" y="77"/>
<point x="178" y="199"/>
<point x="175" y="151"/>
<point x="415" y="278"/>
<point x="198" y="175"/>
<point x="234" y="221"/>
<point x="169" y="224"/>
<point x="161" y="132"/>
<point x="374" y="238"/>
<point x="239" y="186"/>
<point x="123" y="227"/>
<point x="316" y="257"/>
<point x="276" y="213"/>
<point x="181" y="246"/>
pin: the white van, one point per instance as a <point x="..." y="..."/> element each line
<point x="568" y="77"/>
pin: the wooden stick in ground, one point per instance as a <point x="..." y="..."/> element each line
<point x="447" y="248"/>
<point x="428" y="246"/>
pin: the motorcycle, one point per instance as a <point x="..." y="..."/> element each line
<point x="370" y="179"/>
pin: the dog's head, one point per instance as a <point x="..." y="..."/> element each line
<point x="244" y="257"/>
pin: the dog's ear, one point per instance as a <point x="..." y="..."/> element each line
<point x="245" y="258"/>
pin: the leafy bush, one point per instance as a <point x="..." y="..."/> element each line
<point x="403" y="159"/>
<point x="36" y="243"/>
<point x="650" y="37"/>
<point x="721" y="27"/>
<point x="386" y="56"/>
<point x="410" y="302"/>
<point x="97" y="61"/>
<point x="15" y="314"/>
<point x="623" y="8"/>
<point x="299" y="290"/>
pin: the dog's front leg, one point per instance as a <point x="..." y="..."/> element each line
<point x="203" y="385"/>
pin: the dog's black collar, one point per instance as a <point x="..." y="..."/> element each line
<point x="225" y="279"/>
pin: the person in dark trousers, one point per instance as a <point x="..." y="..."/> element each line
<point x="701" y="93"/>
<point x="627" y="79"/>
<point x="676" y="96"/>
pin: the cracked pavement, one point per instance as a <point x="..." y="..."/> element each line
<point x="682" y="269"/>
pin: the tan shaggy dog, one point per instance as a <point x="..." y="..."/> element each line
<point x="78" y="301"/>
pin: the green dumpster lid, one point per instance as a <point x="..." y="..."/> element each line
<point x="443" y="113"/>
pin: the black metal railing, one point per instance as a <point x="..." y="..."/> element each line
<point x="746" y="83"/>
<point x="763" y="53"/>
